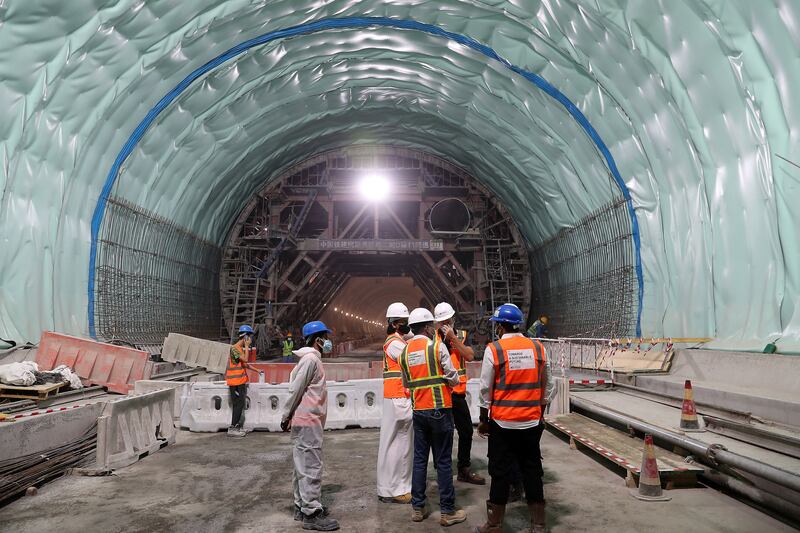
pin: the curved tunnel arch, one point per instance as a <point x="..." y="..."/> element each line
<point x="699" y="137"/>
<point x="355" y="22"/>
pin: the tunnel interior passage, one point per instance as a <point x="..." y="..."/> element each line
<point x="355" y="229"/>
<point x="138" y="132"/>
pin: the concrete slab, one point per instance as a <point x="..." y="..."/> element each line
<point x="211" y="483"/>
<point x="669" y="417"/>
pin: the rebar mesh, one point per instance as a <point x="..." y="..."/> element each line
<point x="154" y="277"/>
<point x="584" y="276"/>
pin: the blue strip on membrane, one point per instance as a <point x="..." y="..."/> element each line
<point x="355" y="22"/>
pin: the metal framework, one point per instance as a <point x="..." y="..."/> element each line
<point x="309" y="228"/>
<point x="584" y="277"/>
<point x="153" y="278"/>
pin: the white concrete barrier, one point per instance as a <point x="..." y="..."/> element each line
<point x="134" y="426"/>
<point x="181" y="391"/>
<point x="207" y="408"/>
<point x="196" y="352"/>
<point x="36" y="433"/>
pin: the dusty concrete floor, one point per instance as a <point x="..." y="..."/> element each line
<point x="210" y="483"/>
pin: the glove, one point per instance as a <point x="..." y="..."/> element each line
<point x="286" y="425"/>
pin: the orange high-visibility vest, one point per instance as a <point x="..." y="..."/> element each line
<point x="517" y="391"/>
<point x="392" y="375"/>
<point x="234" y="372"/>
<point x="459" y="364"/>
<point x="423" y="370"/>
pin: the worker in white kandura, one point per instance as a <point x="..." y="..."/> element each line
<point x="396" y="448"/>
<point x="304" y="414"/>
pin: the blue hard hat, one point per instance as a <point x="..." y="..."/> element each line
<point x="245" y="330"/>
<point x="509" y="313"/>
<point x="314" y="327"/>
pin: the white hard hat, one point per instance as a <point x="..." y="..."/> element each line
<point x="397" y="310"/>
<point x="444" y="311"/>
<point x="419" y="315"/>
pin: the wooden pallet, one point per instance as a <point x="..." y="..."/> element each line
<point x="34" y="392"/>
<point x="621" y="450"/>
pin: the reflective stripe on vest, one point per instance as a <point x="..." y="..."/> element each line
<point x="235" y="373"/>
<point x="392" y="375"/>
<point x="425" y="377"/>
<point x="517" y="393"/>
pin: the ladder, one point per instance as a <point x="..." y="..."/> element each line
<point x="497" y="275"/>
<point x="294" y="229"/>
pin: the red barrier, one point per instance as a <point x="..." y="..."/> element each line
<point x="97" y="363"/>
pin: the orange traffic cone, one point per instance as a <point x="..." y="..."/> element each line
<point x="649" y="480"/>
<point x="689" y="421"/>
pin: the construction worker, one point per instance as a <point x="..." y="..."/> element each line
<point x="427" y="372"/>
<point x="514" y="379"/>
<point x="460" y="353"/>
<point x="236" y="379"/>
<point x="538" y="329"/>
<point x="304" y="414"/>
<point x="395" y="451"/>
<point x="288" y="347"/>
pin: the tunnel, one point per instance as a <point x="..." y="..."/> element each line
<point x="629" y="168"/>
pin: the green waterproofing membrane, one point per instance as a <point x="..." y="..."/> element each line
<point x="695" y="101"/>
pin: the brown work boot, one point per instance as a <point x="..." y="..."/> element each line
<point x="403" y="498"/>
<point x="494" y="519"/>
<point x="467" y="476"/>
<point x="456" y="517"/>
<point x="537" y="517"/>
<point x="418" y="514"/>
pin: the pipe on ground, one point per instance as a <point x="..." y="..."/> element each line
<point x="742" y="488"/>
<point x="714" y="454"/>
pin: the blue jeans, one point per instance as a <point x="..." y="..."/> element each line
<point x="433" y="429"/>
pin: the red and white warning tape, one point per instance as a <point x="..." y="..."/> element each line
<point x="590" y="382"/>
<point x="606" y="453"/>
<point x="52" y="410"/>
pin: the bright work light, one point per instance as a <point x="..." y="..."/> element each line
<point x="374" y="187"/>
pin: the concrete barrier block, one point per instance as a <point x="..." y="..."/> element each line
<point x="196" y="352"/>
<point x="369" y="404"/>
<point x="473" y="397"/>
<point x="181" y="391"/>
<point x="32" y="434"/>
<point x="133" y="427"/>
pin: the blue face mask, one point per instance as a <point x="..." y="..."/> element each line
<point x="327" y="346"/>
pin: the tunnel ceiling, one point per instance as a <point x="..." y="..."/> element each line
<point x="695" y="102"/>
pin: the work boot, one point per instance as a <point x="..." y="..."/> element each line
<point x="456" y="517"/>
<point x="494" y="519"/>
<point x="236" y="432"/>
<point x="418" y="514"/>
<point x="467" y="476"/>
<point x="537" y="517"/>
<point x="319" y="522"/>
<point x="403" y="498"/>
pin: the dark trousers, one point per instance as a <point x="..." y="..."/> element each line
<point x="238" y="399"/>
<point x="506" y="446"/>
<point x="463" y="423"/>
<point x="433" y="430"/>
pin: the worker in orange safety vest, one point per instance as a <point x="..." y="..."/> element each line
<point x="460" y="353"/>
<point x="428" y="373"/>
<point x="395" y="449"/>
<point x="514" y="381"/>
<point x="236" y="379"/>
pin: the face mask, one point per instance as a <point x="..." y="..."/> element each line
<point x="403" y="329"/>
<point x="327" y="346"/>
